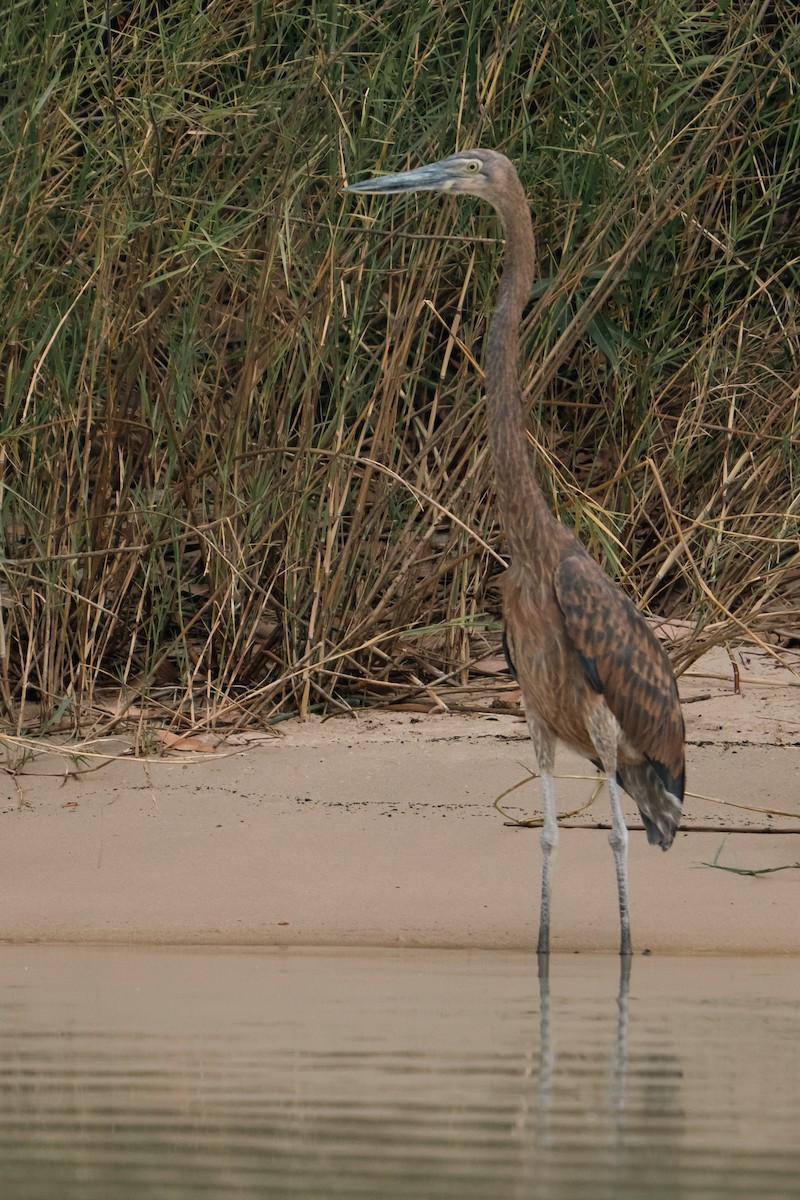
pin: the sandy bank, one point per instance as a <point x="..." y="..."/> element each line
<point x="380" y="830"/>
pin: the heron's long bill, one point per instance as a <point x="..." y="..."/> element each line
<point x="434" y="177"/>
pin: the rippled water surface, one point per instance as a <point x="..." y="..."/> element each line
<point x="205" y="1073"/>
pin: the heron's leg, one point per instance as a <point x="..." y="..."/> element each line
<point x="548" y="841"/>
<point x="618" y="840"/>
<point x="545" y="746"/>
<point x="604" y="732"/>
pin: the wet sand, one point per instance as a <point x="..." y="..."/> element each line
<point x="380" y="830"/>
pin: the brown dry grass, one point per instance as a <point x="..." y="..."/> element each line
<point x="244" y="469"/>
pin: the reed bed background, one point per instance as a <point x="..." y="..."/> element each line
<point x="244" y="470"/>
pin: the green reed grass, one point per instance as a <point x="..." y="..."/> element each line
<point x="242" y="446"/>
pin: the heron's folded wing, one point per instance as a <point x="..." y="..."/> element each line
<point x="624" y="660"/>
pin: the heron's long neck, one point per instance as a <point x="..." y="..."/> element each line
<point x="523" y="507"/>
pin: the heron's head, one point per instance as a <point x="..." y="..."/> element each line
<point x="484" y="173"/>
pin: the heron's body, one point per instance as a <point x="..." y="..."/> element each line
<point x="591" y="672"/>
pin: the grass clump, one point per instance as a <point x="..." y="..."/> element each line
<point x="243" y="462"/>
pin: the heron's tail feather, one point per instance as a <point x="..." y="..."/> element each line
<point x="660" y="808"/>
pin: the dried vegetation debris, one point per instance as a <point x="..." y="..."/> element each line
<point x="243" y="460"/>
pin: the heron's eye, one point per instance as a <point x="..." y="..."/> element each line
<point x="473" y="166"/>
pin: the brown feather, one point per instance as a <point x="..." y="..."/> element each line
<point x="631" y="666"/>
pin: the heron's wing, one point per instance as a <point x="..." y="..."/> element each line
<point x="624" y="660"/>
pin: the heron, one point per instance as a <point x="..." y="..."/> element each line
<point x="591" y="672"/>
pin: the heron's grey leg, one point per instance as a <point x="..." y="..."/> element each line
<point x="618" y="840"/>
<point x="604" y="732"/>
<point x="545" y="746"/>
<point x="548" y="841"/>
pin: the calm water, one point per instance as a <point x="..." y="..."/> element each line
<point x="200" y="1073"/>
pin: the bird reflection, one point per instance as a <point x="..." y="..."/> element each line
<point x="618" y="1059"/>
<point x="546" y="1056"/>
<point x="588" y="1105"/>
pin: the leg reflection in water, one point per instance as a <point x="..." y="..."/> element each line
<point x="617" y="1060"/>
<point x="603" y="1109"/>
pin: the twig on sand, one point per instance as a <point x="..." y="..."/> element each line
<point x="746" y="870"/>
